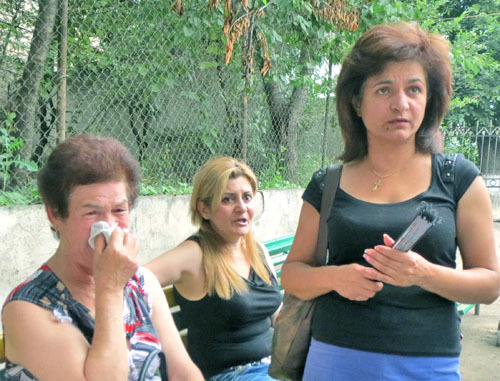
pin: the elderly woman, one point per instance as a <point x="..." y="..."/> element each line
<point x="91" y="314"/>
<point x="222" y="275"/>
<point x="384" y="314"/>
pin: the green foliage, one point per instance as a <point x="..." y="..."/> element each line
<point x="9" y="148"/>
<point x="164" y="90"/>
<point x="460" y="141"/>
<point x="21" y="196"/>
<point x="473" y="29"/>
<point x="155" y="190"/>
<point x="278" y="181"/>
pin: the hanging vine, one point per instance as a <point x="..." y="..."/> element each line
<point x="337" y="12"/>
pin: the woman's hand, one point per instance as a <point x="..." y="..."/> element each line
<point x="396" y="267"/>
<point x="115" y="263"/>
<point x="357" y="282"/>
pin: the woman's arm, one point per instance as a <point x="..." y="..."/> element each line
<point x="298" y="277"/>
<point x="38" y="342"/>
<point x="476" y="242"/>
<point x="478" y="282"/>
<point x="55" y="350"/>
<point x="177" y="264"/>
<point x="179" y="364"/>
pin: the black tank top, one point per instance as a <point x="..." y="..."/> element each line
<point x="400" y="320"/>
<point x="224" y="333"/>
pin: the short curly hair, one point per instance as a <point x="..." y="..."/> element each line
<point x="86" y="159"/>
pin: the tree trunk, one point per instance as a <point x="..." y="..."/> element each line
<point x="232" y="118"/>
<point x="279" y="119"/>
<point x="285" y="118"/>
<point x="327" y="112"/>
<point x="62" y="69"/>
<point x="25" y="101"/>
<point x="295" y="111"/>
<point x="13" y="23"/>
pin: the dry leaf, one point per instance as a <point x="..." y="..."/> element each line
<point x="267" y="59"/>
<point x="178" y="8"/>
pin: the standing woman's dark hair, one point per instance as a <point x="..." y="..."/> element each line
<point x="372" y="52"/>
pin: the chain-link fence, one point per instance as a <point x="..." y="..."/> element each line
<point x="158" y="82"/>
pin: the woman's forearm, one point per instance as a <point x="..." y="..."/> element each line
<point x="107" y="356"/>
<point x="305" y="281"/>
<point x="475" y="285"/>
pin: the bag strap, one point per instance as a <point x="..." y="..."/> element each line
<point x="332" y="180"/>
<point x="448" y="169"/>
<point x="448" y="173"/>
<point x="148" y="361"/>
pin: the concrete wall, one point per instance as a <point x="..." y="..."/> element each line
<point x="160" y="222"/>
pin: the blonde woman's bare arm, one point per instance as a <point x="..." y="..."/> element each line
<point x="175" y="265"/>
<point x="180" y="365"/>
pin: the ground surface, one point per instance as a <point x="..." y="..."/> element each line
<point x="480" y="359"/>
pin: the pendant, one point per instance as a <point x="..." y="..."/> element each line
<point x="376" y="184"/>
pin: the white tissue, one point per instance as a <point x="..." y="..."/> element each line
<point x="101" y="227"/>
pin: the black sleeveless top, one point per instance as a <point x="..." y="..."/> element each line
<point x="224" y="333"/>
<point x="399" y="320"/>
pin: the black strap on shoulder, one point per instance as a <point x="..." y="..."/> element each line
<point x="143" y="375"/>
<point x="331" y="185"/>
<point x="448" y="168"/>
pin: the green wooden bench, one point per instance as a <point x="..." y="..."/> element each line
<point x="498" y="335"/>
<point x="464" y="308"/>
<point x="278" y="249"/>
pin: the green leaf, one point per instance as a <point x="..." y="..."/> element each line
<point x="208" y="65"/>
<point x="188" y="32"/>
<point x="142" y="70"/>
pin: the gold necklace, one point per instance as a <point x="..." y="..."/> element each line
<point x="378" y="183"/>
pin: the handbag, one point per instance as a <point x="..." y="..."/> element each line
<point x="292" y="329"/>
<point x="147" y="363"/>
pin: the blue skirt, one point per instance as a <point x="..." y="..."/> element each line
<point x="332" y="363"/>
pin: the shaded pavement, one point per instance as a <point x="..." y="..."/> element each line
<point x="480" y="358"/>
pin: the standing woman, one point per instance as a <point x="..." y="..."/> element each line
<point x="91" y="313"/>
<point x="223" y="281"/>
<point x="384" y="314"/>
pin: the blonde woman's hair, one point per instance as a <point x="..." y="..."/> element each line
<point x="209" y="184"/>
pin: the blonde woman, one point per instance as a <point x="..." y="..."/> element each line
<point x="223" y="280"/>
